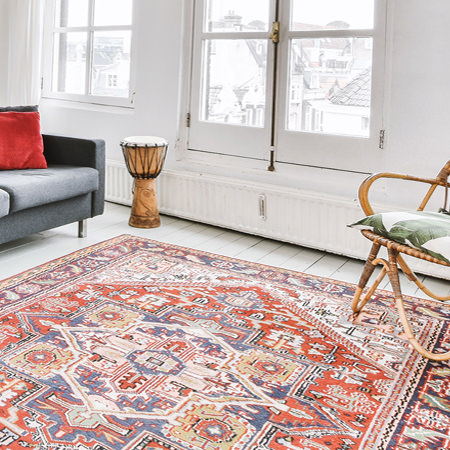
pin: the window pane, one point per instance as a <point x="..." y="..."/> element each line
<point x="332" y="14"/>
<point x="234" y="81"/>
<point x="111" y="63"/>
<point x="113" y="12"/>
<point x="69" y="67"/>
<point x="330" y="86"/>
<point x="237" y="15"/>
<point x="71" y="13"/>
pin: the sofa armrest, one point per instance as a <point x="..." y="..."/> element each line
<point x="79" y="152"/>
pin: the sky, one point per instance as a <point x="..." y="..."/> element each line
<point x="358" y="13"/>
<point x="107" y="12"/>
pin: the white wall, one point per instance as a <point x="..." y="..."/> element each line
<point x="419" y="108"/>
<point x="159" y="41"/>
<point x="3" y="48"/>
<point x="417" y="112"/>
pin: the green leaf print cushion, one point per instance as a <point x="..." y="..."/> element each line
<point x="426" y="231"/>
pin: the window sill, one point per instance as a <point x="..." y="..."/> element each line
<point x="85" y="106"/>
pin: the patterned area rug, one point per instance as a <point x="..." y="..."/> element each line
<point x="134" y="344"/>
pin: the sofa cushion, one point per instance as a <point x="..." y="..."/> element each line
<point x="21" y="145"/>
<point x="35" y="187"/>
<point x="4" y="203"/>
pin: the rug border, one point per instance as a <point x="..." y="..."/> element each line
<point x="123" y="238"/>
<point x="27" y="273"/>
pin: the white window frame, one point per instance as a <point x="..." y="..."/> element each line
<point x="49" y="55"/>
<point x="226" y="139"/>
<point x="347" y="153"/>
<point x="360" y="154"/>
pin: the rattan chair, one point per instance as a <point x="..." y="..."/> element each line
<point x="395" y="260"/>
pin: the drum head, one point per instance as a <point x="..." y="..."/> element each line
<point x="144" y="141"/>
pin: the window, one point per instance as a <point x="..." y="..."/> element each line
<point x="91" y="51"/>
<point x="313" y="96"/>
<point x="231" y="81"/>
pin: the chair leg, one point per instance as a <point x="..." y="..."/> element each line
<point x="369" y="267"/>
<point x="82" y="228"/>
<point x="395" y="282"/>
<point x="412" y="276"/>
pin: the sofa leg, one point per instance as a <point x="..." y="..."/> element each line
<point x="82" y="228"/>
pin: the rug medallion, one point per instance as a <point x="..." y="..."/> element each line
<point x="132" y="344"/>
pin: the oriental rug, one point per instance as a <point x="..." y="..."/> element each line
<point x="132" y="344"/>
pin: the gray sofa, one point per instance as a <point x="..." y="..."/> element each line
<point x="71" y="189"/>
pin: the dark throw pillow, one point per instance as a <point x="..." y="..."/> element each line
<point x="32" y="108"/>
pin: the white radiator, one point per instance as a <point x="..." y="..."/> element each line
<point x="300" y="217"/>
<point x="119" y="183"/>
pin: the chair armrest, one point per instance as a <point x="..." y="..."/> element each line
<point x="79" y="152"/>
<point x="365" y="186"/>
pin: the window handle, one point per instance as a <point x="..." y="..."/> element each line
<point x="275" y="33"/>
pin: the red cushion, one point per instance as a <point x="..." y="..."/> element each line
<point x="21" y="145"/>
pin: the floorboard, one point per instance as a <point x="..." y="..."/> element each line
<point x="23" y="254"/>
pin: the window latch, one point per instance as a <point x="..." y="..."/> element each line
<point x="381" y="140"/>
<point x="275" y="33"/>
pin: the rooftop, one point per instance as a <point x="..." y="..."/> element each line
<point x="355" y="93"/>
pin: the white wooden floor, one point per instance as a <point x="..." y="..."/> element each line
<point x="26" y="253"/>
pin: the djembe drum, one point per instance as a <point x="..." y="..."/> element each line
<point x="144" y="157"/>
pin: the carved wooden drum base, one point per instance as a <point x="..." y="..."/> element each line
<point x="144" y="157"/>
<point x="144" y="211"/>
